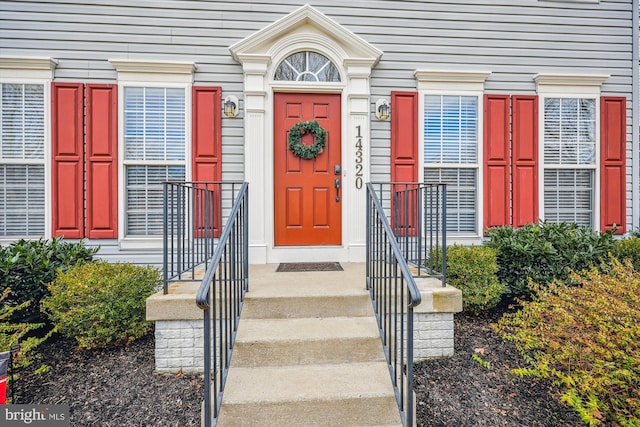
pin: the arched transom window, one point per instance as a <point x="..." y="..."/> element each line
<point x="307" y="67"/>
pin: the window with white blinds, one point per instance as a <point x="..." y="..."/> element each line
<point x="154" y="145"/>
<point x="451" y="156"/>
<point x="22" y="160"/>
<point x="569" y="159"/>
<point x="461" y="197"/>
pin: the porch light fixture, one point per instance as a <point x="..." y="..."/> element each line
<point x="382" y="109"/>
<point x="230" y="106"/>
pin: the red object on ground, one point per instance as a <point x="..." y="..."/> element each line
<point x="4" y="365"/>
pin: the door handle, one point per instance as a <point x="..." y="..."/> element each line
<point x="337" y="184"/>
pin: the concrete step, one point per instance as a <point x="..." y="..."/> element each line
<point x="306" y="306"/>
<point x="308" y="353"/>
<point x="350" y="394"/>
<point x="319" y="294"/>
<point x="272" y="342"/>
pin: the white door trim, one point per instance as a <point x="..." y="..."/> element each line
<point x="259" y="54"/>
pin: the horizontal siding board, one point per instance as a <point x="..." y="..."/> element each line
<point x="109" y="250"/>
<point x="510" y="48"/>
<point x="580" y="37"/>
<point x="419" y="35"/>
<point x="491" y="58"/>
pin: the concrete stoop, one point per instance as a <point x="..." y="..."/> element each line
<point x="308" y="350"/>
<point x="308" y="353"/>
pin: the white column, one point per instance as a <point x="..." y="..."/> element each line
<point x="356" y="155"/>
<point x="255" y="69"/>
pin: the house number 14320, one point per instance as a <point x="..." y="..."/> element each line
<point x="358" y="159"/>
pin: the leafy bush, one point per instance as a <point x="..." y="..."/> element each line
<point x="628" y="249"/>
<point x="27" y="265"/>
<point x="473" y="271"/>
<point x="545" y="252"/>
<point x="101" y="303"/>
<point x="18" y="333"/>
<point x="587" y="339"/>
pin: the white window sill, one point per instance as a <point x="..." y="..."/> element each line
<point x="464" y="240"/>
<point x="136" y="243"/>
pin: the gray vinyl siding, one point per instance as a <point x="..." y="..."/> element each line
<point x="513" y="39"/>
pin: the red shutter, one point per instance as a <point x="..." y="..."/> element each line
<point x="404" y="159"/>
<point x="525" y="160"/>
<point x="102" y="162"/>
<point x="404" y="137"/>
<point x="67" y="151"/>
<point x="207" y="151"/>
<point x="496" y="164"/>
<point x="613" y="131"/>
<point x="206" y="134"/>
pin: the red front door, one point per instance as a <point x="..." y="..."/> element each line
<point x="307" y="202"/>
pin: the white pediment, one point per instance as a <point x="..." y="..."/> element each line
<point x="305" y="24"/>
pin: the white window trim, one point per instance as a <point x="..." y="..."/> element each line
<point x="456" y="83"/>
<point x="27" y="68"/>
<point x="154" y="71"/>
<point x="149" y="74"/>
<point x="569" y="86"/>
<point x="34" y="70"/>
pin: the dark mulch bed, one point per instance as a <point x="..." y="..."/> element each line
<point x="118" y="387"/>
<point x="458" y="391"/>
<point x="112" y="387"/>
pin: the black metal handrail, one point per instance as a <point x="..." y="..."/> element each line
<point x="192" y="211"/>
<point x="418" y="218"/>
<point x="390" y="281"/>
<point x="221" y="297"/>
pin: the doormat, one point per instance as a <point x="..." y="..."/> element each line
<point x="309" y="266"/>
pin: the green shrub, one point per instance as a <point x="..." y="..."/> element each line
<point x="26" y="266"/>
<point x="101" y="303"/>
<point x="473" y="270"/>
<point x="545" y="252"/>
<point x="18" y="333"/>
<point x="628" y="249"/>
<point x="587" y="339"/>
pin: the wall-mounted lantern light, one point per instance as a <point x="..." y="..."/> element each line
<point x="383" y="109"/>
<point x="230" y="106"/>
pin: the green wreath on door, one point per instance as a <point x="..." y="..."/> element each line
<point x="300" y="129"/>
